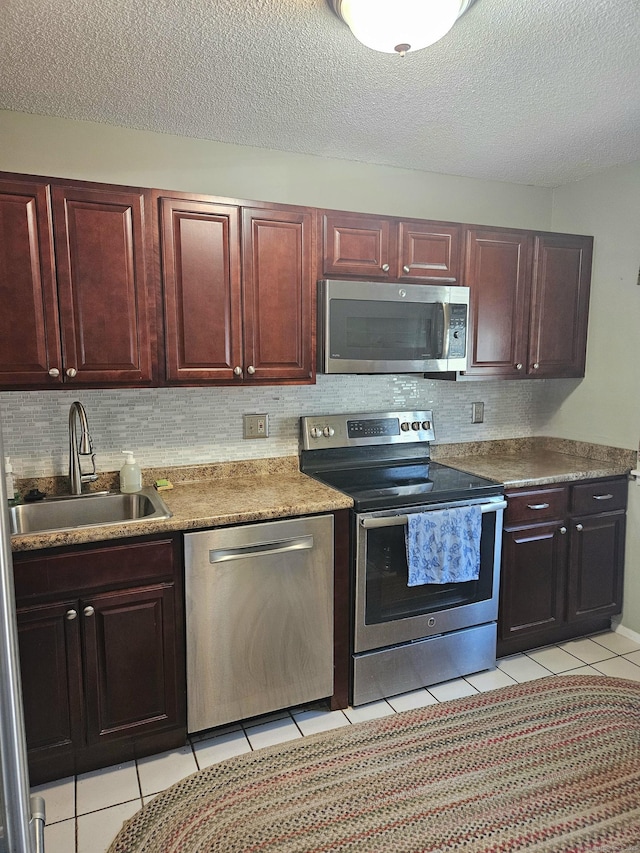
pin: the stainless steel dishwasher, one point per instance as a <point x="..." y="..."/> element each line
<point x="259" y="618"/>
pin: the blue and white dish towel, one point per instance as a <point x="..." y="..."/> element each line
<point x="443" y="545"/>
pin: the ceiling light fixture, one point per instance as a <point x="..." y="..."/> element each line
<point x="398" y="26"/>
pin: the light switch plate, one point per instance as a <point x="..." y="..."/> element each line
<point x="477" y="413"/>
<point x="255" y="426"/>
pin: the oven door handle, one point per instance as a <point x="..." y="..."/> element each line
<point x="397" y="520"/>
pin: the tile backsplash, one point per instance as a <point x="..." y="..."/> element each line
<point x="184" y="426"/>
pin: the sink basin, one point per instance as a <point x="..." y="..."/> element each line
<point x="68" y="513"/>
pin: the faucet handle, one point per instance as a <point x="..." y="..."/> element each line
<point x="92" y="476"/>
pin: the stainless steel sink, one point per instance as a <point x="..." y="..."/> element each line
<point x="68" y="513"/>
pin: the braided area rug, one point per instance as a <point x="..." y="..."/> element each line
<point x="549" y="765"/>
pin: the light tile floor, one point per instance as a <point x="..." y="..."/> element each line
<point x="85" y="813"/>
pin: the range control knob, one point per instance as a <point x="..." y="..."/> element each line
<point x="328" y="432"/>
<point x="426" y="424"/>
<point x="404" y="426"/>
<point x="415" y="425"/>
<point x="316" y="432"/>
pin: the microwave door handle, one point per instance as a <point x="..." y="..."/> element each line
<point x="444" y="309"/>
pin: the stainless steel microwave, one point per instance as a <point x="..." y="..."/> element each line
<point x="379" y="327"/>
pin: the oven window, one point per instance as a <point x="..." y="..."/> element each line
<point x="387" y="595"/>
<point x="364" y="330"/>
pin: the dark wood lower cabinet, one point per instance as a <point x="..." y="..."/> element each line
<point x="103" y="666"/>
<point x="562" y="562"/>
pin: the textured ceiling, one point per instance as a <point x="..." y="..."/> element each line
<point x="537" y="92"/>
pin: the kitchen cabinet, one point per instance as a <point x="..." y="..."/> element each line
<point x="562" y="562"/>
<point x="78" y="306"/>
<point x="559" y="305"/>
<point x="529" y="303"/>
<point x="237" y="285"/>
<point x="379" y="248"/>
<point x="100" y="634"/>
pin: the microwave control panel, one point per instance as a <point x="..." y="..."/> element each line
<point x="458" y="331"/>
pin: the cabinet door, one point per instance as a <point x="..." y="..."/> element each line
<point x="277" y="270"/>
<point x="356" y="246"/>
<point x="428" y="252"/>
<point x="498" y="270"/>
<point x="559" y="305"/>
<point x="201" y="289"/>
<point x="596" y="561"/>
<point x="49" y="644"/>
<point x="130" y="662"/>
<point x="29" y="331"/>
<point x="105" y="307"/>
<point x="532" y="582"/>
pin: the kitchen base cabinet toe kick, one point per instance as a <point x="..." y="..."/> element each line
<point x="101" y="642"/>
<point x="562" y="562"/>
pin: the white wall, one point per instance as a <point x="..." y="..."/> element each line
<point x="605" y="407"/>
<point x="70" y="149"/>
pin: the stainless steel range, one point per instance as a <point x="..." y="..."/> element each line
<point x="405" y="637"/>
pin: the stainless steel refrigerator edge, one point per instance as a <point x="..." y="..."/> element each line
<point x="23" y="817"/>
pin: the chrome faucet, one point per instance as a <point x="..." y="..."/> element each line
<point x="79" y="449"/>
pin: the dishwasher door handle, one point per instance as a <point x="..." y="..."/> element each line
<point x="241" y="552"/>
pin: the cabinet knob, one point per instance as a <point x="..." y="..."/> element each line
<point x="579" y="527"/>
<point x="71" y="372"/>
<point x="237" y="371"/>
<point x="563" y="530"/>
<point x="88" y="611"/>
<point x="54" y="372"/>
<point x="406" y="268"/>
<point x="535" y="365"/>
<point x="71" y="615"/>
<point x="519" y="366"/>
<point x="385" y="267"/>
<point x="251" y="370"/>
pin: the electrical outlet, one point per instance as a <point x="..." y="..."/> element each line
<point x="477" y="413"/>
<point x="255" y="426"/>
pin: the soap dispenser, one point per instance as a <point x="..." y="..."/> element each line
<point x="130" y="474"/>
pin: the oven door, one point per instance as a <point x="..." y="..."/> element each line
<point x="388" y="611"/>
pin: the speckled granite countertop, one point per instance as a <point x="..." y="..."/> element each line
<point x="536" y="461"/>
<point x="229" y="493"/>
<point x="237" y="492"/>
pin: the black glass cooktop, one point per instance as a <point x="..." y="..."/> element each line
<point x="386" y="486"/>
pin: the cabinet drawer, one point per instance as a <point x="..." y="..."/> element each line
<point x="42" y="575"/>
<point x="529" y="506"/>
<point x="600" y="496"/>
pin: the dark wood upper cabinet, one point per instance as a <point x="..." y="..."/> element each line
<point x="233" y="292"/>
<point x="278" y="309"/>
<point x="356" y="246"/>
<point x="103" y="290"/>
<point x="428" y="252"/>
<point x="88" y="317"/>
<point x="29" y="328"/>
<point x="559" y="305"/>
<point x="497" y="269"/>
<point x="376" y="247"/>
<point x="529" y="302"/>
<point x="201" y="290"/>
<point x="237" y="291"/>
